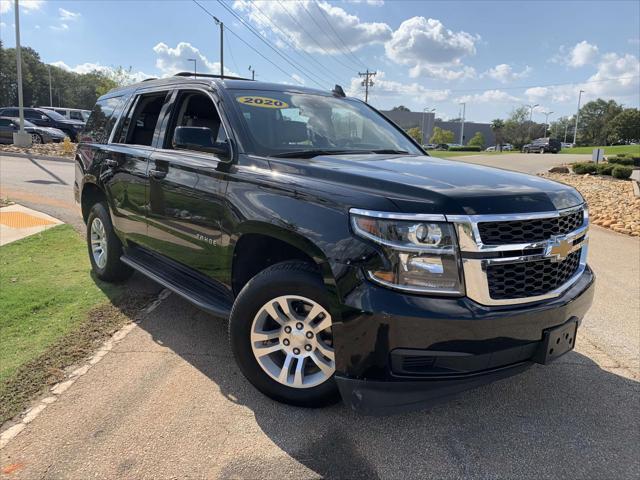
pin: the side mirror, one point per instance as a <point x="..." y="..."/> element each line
<point x="201" y="140"/>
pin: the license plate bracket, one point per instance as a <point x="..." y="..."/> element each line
<point x="556" y="342"/>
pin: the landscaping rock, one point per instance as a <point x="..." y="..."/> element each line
<point x="48" y="149"/>
<point x="561" y="169"/>
<point x="612" y="203"/>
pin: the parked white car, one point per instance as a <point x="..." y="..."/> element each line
<point x="567" y="145"/>
<point x="71" y="113"/>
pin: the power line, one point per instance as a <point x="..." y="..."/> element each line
<point x="286" y="58"/>
<point x="247" y="43"/>
<point x="312" y="37"/>
<point x="321" y="68"/>
<point x="345" y="46"/>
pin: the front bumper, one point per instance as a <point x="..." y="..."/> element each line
<point x="399" y="352"/>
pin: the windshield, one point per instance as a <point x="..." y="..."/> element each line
<point x="283" y="124"/>
<point x="54" y="115"/>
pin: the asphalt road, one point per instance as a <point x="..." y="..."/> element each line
<point x="169" y="402"/>
<point x="527" y="163"/>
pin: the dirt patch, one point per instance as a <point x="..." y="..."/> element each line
<point x="612" y="203"/>
<point x="49" y="368"/>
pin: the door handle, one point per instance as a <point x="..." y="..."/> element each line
<point x="111" y="163"/>
<point x="157" y="174"/>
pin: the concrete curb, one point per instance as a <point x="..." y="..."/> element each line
<point x="58" y="389"/>
<point x="36" y="156"/>
<point x="636" y="188"/>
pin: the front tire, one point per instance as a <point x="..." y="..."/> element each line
<point x="36" y="139"/>
<point x="280" y="332"/>
<point x="105" y="248"/>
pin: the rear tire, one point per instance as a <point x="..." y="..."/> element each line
<point x="281" y="337"/>
<point x="105" y="248"/>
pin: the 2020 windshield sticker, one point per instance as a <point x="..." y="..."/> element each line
<point x="262" y="102"/>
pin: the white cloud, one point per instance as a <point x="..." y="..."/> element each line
<point x="617" y="77"/>
<point x="582" y="54"/>
<point x="424" y="43"/>
<point x="297" y="78"/>
<point x="63" y="27"/>
<point x="305" y="25"/>
<point x="373" y="3"/>
<point x="67" y="14"/>
<point x="173" y="60"/>
<point x="89" y="67"/>
<point x="26" y="5"/>
<point x="394" y="89"/>
<point x="504" y="73"/>
<point x="442" y="73"/>
<point x="488" y="96"/>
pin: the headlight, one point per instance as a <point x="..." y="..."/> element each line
<point x="422" y="255"/>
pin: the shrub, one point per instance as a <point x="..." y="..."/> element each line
<point x="621" y="155"/>
<point x="467" y="148"/>
<point x="605" y="168"/>
<point x="622" y="172"/>
<point x="586" y="167"/>
<point x="621" y="161"/>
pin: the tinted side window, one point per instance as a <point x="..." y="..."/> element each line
<point x="5" y="122"/>
<point x="32" y="114"/>
<point x="11" y="112"/>
<point x="101" y="120"/>
<point x="76" y="115"/>
<point x="140" y="124"/>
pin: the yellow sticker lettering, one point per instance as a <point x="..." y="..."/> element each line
<point x="262" y="102"/>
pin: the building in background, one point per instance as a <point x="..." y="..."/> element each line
<point x="427" y="121"/>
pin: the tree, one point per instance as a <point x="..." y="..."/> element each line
<point x="477" y="140"/>
<point x="594" y="118"/>
<point x="441" y="136"/>
<point x="517" y="127"/>
<point x="561" y="126"/>
<point x="400" y="108"/>
<point x="497" y="126"/>
<point x="625" y="127"/>
<point x="416" y="134"/>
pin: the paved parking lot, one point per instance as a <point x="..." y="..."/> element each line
<point x="169" y="402"/>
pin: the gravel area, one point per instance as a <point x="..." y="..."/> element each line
<point x="62" y="149"/>
<point x="612" y="203"/>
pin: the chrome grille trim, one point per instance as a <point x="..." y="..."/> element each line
<point x="469" y="239"/>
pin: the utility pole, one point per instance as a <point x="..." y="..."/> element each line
<point x="566" y="128"/>
<point x="424" y="111"/>
<point x="20" y="138"/>
<point x="366" y="83"/>
<point x="195" y="71"/>
<point x="221" y="25"/>
<point x="253" y="73"/>
<point x="546" y="122"/>
<point x="575" y="128"/>
<point x="531" y="107"/>
<point x="464" y="112"/>
<point x="50" y="88"/>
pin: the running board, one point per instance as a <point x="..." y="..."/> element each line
<point x="192" y="286"/>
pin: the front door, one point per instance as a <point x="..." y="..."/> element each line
<point x="186" y="190"/>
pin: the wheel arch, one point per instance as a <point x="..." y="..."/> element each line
<point x="90" y="195"/>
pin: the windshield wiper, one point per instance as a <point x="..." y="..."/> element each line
<point x="315" y="153"/>
<point x="388" y="150"/>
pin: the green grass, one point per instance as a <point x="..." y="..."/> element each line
<point x="612" y="150"/>
<point x="46" y="291"/>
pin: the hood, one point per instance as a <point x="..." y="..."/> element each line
<point x="423" y="184"/>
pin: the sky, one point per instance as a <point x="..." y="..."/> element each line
<point x="492" y="55"/>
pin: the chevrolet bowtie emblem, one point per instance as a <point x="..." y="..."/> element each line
<point x="560" y="249"/>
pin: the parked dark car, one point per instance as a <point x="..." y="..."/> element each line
<point x="442" y="146"/>
<point x="346" y="259"/>
<point x="47" y="118"/>
<point x="9" y="125"/>
<point x="543" y="145"/>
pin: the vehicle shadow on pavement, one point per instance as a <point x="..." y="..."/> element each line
<point x="570" y="419"/>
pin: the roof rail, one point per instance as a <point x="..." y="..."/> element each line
<point x="209" y="75"/>
<point x="149" y="79"/>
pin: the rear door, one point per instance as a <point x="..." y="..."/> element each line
<point x="186" y="189"/>
<point x="125" y="163"/>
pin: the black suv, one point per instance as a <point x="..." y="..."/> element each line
<point x="542" y="145"/>
<point x="347" y="260"/>
<point x="47" y="118"/>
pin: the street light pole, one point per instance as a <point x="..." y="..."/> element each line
<point x="464" y="112"/>
<point x="195" y="72"/>
<point x="20" y="138"/>
<point x="575" y="128"/>
<point x="50" y="88"/>
<point x="221" y="25"/>
<point x="531" y="107"/>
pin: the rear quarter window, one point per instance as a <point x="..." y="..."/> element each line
<point x="102" y="119"/>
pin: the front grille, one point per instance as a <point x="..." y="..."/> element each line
<point x="527" y="231"/>
<point x="529" y="279"/>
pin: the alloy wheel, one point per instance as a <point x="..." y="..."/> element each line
<point x="98" y="243"/>
<point x="35" y="138"/>
<point x="292" y="341"/>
